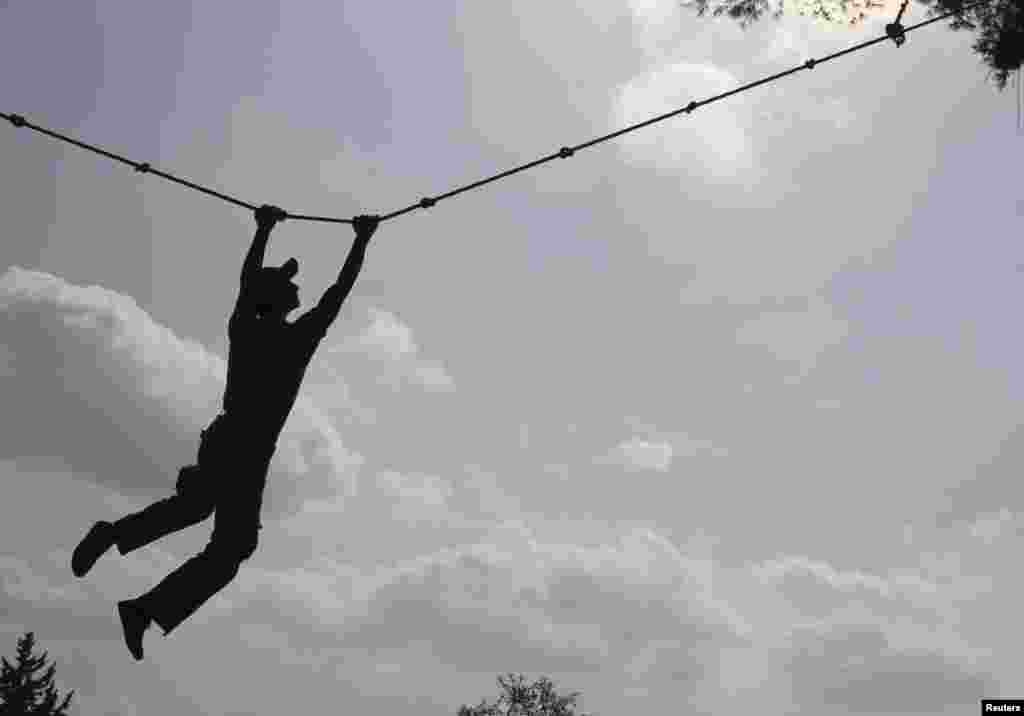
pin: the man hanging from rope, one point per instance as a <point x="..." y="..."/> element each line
<point x="266" y="362"/>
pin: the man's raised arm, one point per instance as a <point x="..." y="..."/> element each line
<point x="266" y="217"/>
<point x="324" y="313"/>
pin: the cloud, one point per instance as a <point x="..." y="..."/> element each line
<point x="96" y="381"/>
<point x="638" y="454"/>
<point x="415" y="498"/>
<point x="18" y="579"/>
<point x="517" y="601"/>
<point x="842" y="669"/>
<point x="656" y="23"/>
<point x="6" y="362"/>
<point x="684" y="445"/>
<point x="389" y="344"/>
<point x="425" y="489"/>
<point x="408" y="513"/>
<point x="786" y="112"/>
<point x="615" y="611"/>
<point x="789" y="43"/>
<point x="797" y="337"/>
<point x="627" y="611"/>
<point x="816" y="585"/>
<point x="140" y="355"/>
<point x="658" y="450"/>
<point x="711" y="141"/>
<point x="874" y="643"/>
<point x="991" y="527"/>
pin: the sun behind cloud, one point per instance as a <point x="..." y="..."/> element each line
<point x="840" y="14"/>
<point x="714" y="141"/>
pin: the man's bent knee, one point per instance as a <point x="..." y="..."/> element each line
<point x="196" y="507"/>
<point x="234" y="551"/>
<point x="196" y="496"/>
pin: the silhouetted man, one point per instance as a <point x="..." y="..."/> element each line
<point x="266" y="362"/>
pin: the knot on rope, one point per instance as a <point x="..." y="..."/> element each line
<point x="809" y="64"/>
<point x="894" y="29"/>
<point x="690" y="107"/>
<point x="565" y="152"/>
<point x="17" y="120"/>
<point x="426" y="202"/>
<point x="895" y="32"/>
<point x="142" y="167"/>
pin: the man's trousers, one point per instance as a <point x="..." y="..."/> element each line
<point x="229" y="480"/>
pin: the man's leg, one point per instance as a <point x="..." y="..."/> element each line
<point x="192" y="503"/>
<point x="235" y="534"/>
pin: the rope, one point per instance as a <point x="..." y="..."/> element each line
<point x="562" y="153"/>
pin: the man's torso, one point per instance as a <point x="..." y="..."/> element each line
<point x="266" y="364"/>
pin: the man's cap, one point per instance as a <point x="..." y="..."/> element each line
<point x="284" y="272"/>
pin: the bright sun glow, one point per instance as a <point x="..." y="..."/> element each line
<point x="855" y="11"/>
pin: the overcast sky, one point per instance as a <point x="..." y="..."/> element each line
<point x="722" y="413"/>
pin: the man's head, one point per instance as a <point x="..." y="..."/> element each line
<point x="277" y="294"/>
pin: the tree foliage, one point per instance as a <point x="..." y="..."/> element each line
<point x="522" y="699"/>
<point x="25" y="693"/>
<point x="999" y="23"/>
